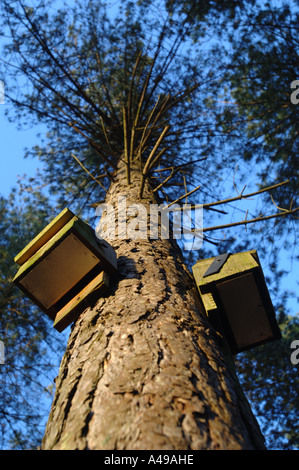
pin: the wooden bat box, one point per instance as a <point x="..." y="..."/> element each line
<point x="64" y="267"/>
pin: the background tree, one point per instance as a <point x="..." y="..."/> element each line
<point x="31" y="346"/>
<point x="264" y="64"/>
<point x="256" y="110"/>
<point x="258" y="50"/>
<point x="260" y="61"/>
<point x="111" y="88"/>
<point x="270" y="381"/>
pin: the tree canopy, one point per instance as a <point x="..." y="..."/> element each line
<point x="263" y="65"/>
<point x="102" y="82"/>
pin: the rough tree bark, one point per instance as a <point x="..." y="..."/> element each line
<point x="143" y="368"/>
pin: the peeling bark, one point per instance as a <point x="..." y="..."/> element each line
<point x="143" y="368"/>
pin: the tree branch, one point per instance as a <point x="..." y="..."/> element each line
<point x="245" y="222"/>
<point x="237" y="198"/>
<point x="150" y="159"/>
<point x="85" y="169"/>
<point x="182" y="197"/>
<point x="126" y="145"/>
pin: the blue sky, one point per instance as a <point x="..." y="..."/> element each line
<point x="12" y="161"/>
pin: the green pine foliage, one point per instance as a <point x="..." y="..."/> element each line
<point x="269" y="376"/>
<point x="32" y="349"/>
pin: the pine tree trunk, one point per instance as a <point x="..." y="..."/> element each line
<point x="143" y="368"/>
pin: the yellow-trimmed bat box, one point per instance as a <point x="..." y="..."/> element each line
<point x="236" y="299"/>
<point x="65" y="266"/>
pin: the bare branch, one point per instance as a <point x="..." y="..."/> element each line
<point x="131" y="87"/>
<point x="280" y="208"/>
<point x="126" y="144"/>
<point x="93" y="145"/>
<point x="106" y="136"/>
<point x="166" y="180"/>
<point x="150" y="160"/>
<point x="157" y="157"/>
<point x="182" y="197"/>
<point x="180" y="166"/>
<point x="246" y="196"/>
<point x="85" y="169"/>
<point x="142" y="140"/>
<point x="161" y="111"/>
<point x="150" y="157"/>
<point x="237" y="198"/>
<point x="245" y="222"/>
